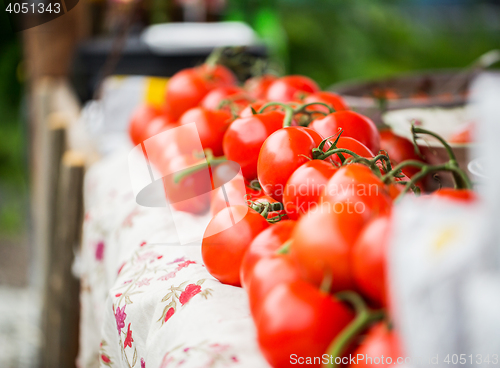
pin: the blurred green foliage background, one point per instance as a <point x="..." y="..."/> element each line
<point x="335" y="40"/>
<point x="328" y="40"/>
<point x="13" y="166"/>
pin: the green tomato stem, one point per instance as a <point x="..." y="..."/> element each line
<point x="302" y="108"/>
<point x="364" y="317"/>
<point x="287" y="121"/>
<point x="285" y="248"/>
<point x="334" y="151"/>
<point x="209" y="160"/>
<point x="460" y="178"/>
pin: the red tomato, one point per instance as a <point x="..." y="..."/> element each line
<point x="229" y="186"/>
<point x="357" y="184"/>
<point x="236" y="96"/>
<point x="324" y="236"/>
<point x="158" y="125"/>
<point x="296" y="320"/>
<point x="332" y="99"/>
<point x="369" y="259"/>
<point x="355" y="125"/>
<point x="139" y="121"/>
<point x="187" y="88"/>
<point x="264" y="245"/>
<point x="459" y="195"/>
<point x="244" y="138"/>
<point x="304" y="187"/>
<point x="211" y="126"/>
<point x="399" y="149"/>
<point x="281" y="154"/>
<point x="191" y="193"/>
<point x="235" y="195"/>
<point x="379" y="342"/>
<point x="257" y="86"/>
<point x="290" y="88"/>
<point x="168" y="146"/>
<point x="322" y="243"/>
<point x="156" y="147"/>
<point x="267" y="273"/>
<point x="224" y="250"/>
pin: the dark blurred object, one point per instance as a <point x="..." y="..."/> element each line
<point x="420" y="89"/>
<point x="136" y="59"/>
<point x="443" y="88"/>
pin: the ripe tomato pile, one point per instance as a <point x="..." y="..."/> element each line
<point x="310" y="239"/>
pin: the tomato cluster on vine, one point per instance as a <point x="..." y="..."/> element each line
<point x="309" y="229"/>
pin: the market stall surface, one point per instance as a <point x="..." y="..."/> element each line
<point x="146" y="303"/>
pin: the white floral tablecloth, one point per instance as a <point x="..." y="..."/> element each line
<point x="147" y="301"/>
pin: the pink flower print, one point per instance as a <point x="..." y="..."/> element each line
<point x="121" y="267"/>
<point x="169" y="314"/>
<point x="128" y="339"/>
<point x="120" y="316"/>
<point x="219" y="348"/>
<point x="167" y="276"/>
<point x="128" y="222"/>
<point x="190" y="291"/>
<point x="167" y="359"/>
<point x="184" y="264"/>
<point x="143" y="363"/>
<point x="186" y="350"/>
<point x="105" y="358"/>
<point x="177" y="260"/>
<point x="143" y="282"/>
<point x="142" y="244"/>
<point x="234" y="359"/>
<point x="147" y="255"/>
<point x="127" y="282"/>
<point x="99" y="251"/>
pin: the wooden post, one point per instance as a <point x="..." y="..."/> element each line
<point x="62" y="291"/>
<point x="39" y="158"/>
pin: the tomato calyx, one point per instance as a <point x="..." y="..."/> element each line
<point x="265" y="207"/>
<point x="319" y="154"/>
<point x="364" y="318"/>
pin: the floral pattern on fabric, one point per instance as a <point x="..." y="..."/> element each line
<point x="103" y="356"/>
<point x="182" y="294"/>
<point x="215" y="355"/>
